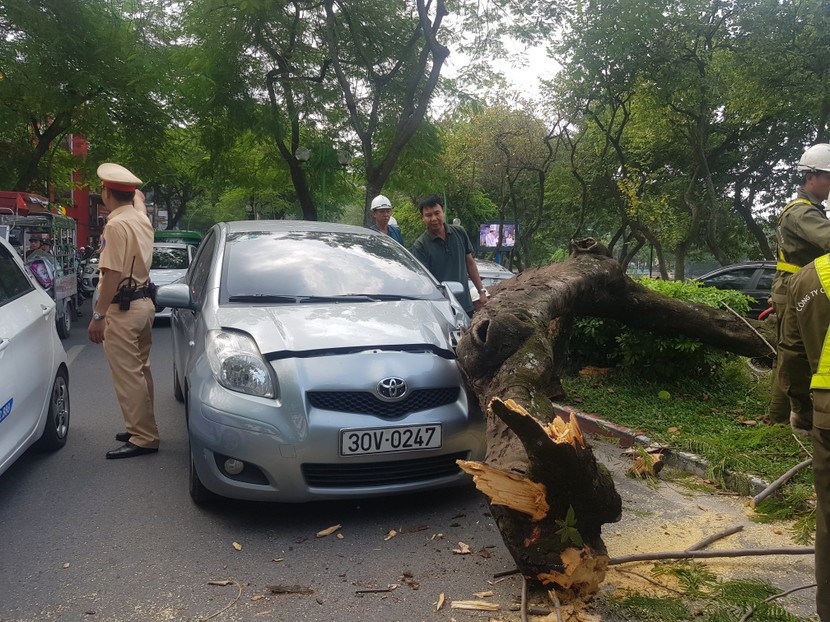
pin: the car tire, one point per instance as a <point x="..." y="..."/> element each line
<point x="198" y="492"/>
<point x="57" y="419"/>
<point x="64" y="321"/>
<point x="177" y="387"/>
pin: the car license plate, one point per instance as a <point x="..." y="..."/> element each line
<point x="387" y="440"/>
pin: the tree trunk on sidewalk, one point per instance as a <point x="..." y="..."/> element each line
<point x="547" y="493"/>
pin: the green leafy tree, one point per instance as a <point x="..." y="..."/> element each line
<point x="85" y="66"/>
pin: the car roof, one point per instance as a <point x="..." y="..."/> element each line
<point x="247" y="226"/>
<point x="767" y="263"/>
<point x="170" y="245"/>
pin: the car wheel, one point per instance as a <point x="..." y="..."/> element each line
<point x="177" y="388"/>
<point x="200" y="495"/>
<point x="64" y="321"/>
<point x="57" y="420"/>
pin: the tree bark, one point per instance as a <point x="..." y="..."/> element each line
<point x="540" y="475"/>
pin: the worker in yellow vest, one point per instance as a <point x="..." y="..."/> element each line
<point x="803" y="234"/>
<point x="805" y="341"/>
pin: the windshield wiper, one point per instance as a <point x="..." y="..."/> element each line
<point x="268" y="298"/>
<point x="385" y="297"/>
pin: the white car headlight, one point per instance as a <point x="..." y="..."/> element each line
<point x="237" y="363"/>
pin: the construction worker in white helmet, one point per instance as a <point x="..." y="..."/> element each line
<point x="382" y="213"/>
<point x="803" y="235"/>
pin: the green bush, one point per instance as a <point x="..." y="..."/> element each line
<point x="605" y="343"/>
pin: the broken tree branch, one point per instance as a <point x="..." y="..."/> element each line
<point x="752" y="610"/>
<point x="715" y="537"/>
<point x="228" y="606"/>
<point x="779" y="482"/>
<point x="644" y="557"/>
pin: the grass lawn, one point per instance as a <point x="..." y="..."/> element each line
<point x="720" y="418"/>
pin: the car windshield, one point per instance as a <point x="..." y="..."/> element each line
<point x="320" y="266"/>
<point x="169" y="258"/>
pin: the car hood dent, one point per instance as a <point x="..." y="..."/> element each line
<point x="308" y="327"/>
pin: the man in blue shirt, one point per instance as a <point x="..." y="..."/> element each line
<point x="382" y="212"/>
<point x="447" y="252"/>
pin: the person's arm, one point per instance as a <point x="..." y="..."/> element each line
<point x="138" y="202"/>
<point x="107" y="287"/>
<point x="812" y="226"/>
<point x="475" y="277"/>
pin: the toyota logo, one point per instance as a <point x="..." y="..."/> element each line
<point x="392" y="389"/>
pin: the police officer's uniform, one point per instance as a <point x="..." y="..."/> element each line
<point x="806" y="342"/>
<point x="127" y="247"/>
<point x="803" y="234"/>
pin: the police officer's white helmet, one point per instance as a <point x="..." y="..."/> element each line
<point x="381" y="202"/>
<point x="816" y="158"/>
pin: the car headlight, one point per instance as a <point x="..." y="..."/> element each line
<point x="237" y="363"/>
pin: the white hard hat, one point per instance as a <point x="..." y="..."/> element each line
<point x="381" y="202"/>
<point x="816" y="158"/>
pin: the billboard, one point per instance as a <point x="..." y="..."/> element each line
<point x="488" y="235"/>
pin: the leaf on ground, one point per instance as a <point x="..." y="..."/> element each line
<point x="328" y="531"/>
<point x="440" y="603"/>
<point x="278" y="559"/>
<point x="483" y="594"/>
<point x="257" y="597"/>
<point x="485" y="554"/>
<point x="437" y="536"/>
<point x="390" y="534"/>
<point x="463" y="549"/>
<point x="340" y="536"/>
<point x="66" y="565"/>
<point x="237" y="546"/>
<point x="221" y="583"/>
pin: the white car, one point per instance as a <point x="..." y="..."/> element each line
<point x="170" y="263"/>
<point x="491" y="274"/>
<point x="34" y="374"/>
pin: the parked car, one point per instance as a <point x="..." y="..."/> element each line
<point x="491" y="274"/>
<point x="753" y="278"/>
<point x="34" y="376"/>
<point x="317" y="361"/>
<point x="170" y="263"/>
<point x="175" y="236"/>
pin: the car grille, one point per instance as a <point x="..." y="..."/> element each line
<point x="367" y="403"/>
<point x="381" y="473"/>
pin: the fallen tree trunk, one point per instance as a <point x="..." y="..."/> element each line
<point x="547" y="493"/>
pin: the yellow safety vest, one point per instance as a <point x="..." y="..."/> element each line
<point x="821" y="379"/>
<point x="783" y="265"/>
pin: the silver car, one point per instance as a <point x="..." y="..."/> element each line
<point x="317" y="361"/>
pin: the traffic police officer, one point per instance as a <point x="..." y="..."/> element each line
<point x="804" y="342"/>
<point x="123" y="317"/>
<point x="803" y="234"/>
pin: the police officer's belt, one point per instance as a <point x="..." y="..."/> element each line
<point x="141" y="292"/>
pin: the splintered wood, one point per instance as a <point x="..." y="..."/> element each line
<point x="508" y="489"/>
<point x="583" y="571"/>
<point x="558" y="430"/>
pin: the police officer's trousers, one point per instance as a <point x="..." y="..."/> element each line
<point x="127" y="339"/>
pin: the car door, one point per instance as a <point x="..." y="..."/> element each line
<point x="27" y="324"/>
<point x="184" y="320"/>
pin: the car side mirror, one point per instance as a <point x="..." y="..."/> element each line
<point x="455" y="287"/>
<point x="175" y="296"/>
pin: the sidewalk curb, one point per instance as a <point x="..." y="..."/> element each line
<point x="747" y="485"/>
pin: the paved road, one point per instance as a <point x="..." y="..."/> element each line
<point x="89" y="539"/>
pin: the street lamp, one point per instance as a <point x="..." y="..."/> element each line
<point x="323" y="160"/>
